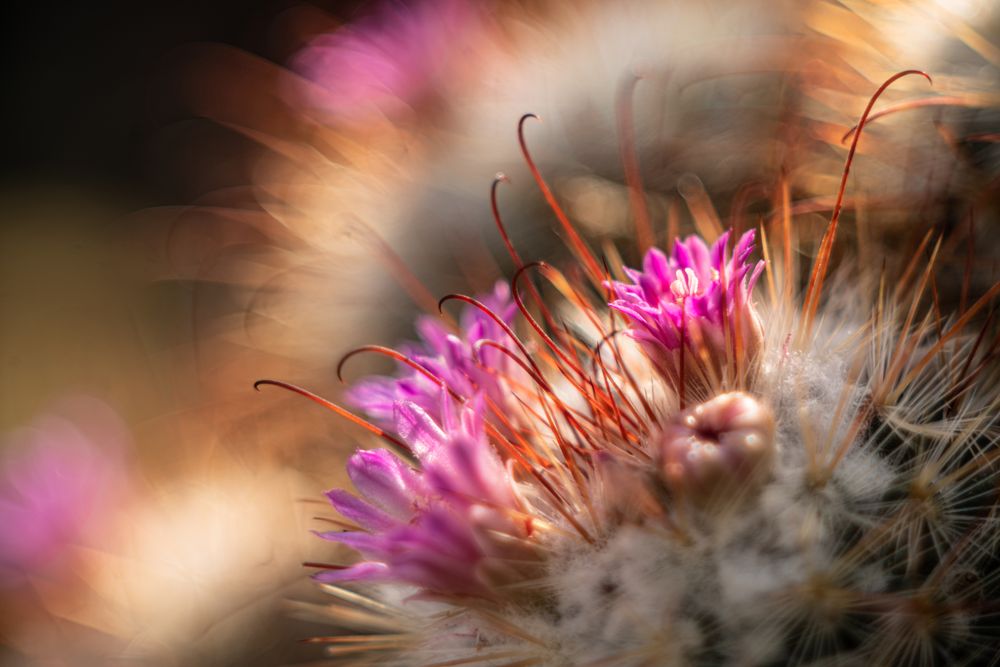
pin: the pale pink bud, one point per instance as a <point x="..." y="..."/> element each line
<point x="718" y="449"/>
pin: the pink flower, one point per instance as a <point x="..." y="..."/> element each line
<point x="59" y="477"/>
<point x="446" y="527"/>
<point x="450" y="356"/>
<point x="391" y="60"/>
<point x="452" y="522"/>
<point x="695" y="299"/>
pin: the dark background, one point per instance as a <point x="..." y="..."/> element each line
<point x="81" y="85"/>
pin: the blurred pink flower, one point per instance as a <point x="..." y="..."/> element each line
<point x="390" y="60"/>
<point x="59" y="479"/>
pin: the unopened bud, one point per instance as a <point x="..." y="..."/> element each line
<point x="718" y="449"/>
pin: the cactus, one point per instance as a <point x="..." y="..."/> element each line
<point x="664" y="467"/>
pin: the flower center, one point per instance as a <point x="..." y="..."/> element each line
<point x="686" y="284"/>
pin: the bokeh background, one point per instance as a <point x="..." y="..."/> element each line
<point x="196" y="195"/>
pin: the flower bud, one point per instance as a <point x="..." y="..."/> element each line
<point x="718" y="449"/>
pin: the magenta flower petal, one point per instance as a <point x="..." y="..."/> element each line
<point x="417" y="429"/>
<point x="446" y="531"/>
<point x="469" y="468"/>
<point x="360" y="512"/>
<point x="385" y="481"/>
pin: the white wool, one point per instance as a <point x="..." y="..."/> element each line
<point x="862" y="477"/>
<point x="629" y="592"/>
